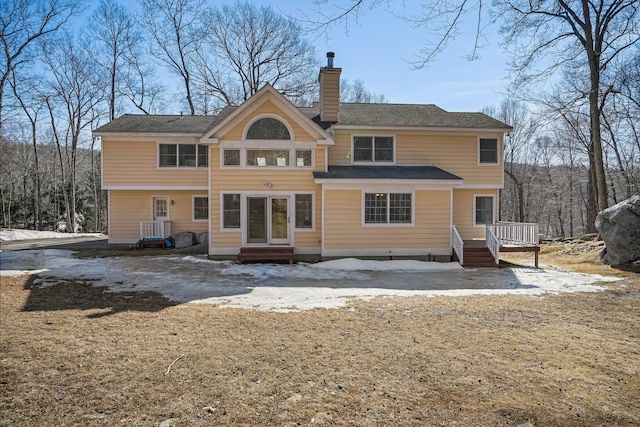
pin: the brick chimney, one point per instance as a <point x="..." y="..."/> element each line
<point x="329" y="79"/>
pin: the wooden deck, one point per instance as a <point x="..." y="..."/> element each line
<point x="265" y="253"/>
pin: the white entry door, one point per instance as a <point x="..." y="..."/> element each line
<point x="161" y="209"/>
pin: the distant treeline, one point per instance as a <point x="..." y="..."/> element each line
<point x="18" y="195"/>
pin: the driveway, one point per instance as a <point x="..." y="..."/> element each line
<point x="279" y="287"/>
<point x="69" y="243"/>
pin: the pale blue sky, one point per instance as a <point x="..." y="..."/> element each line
<point x="379" y="47"/>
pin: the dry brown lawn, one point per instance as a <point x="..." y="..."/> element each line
<point x="75" y="355"/>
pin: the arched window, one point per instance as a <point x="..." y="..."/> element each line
<point x="268" y="128"/>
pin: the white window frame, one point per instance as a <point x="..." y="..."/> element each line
<point x="313" y="211"/>
<point x="193" y="208"/>
<point x="493" y="209"/>
<point x="289" y="146"/>
<point x="497" y="162"/>
<point x="373" y="148"/>
<point x="388" y="224"/>
<point x="177" y="165"/>
<point x="222" y="227"/>
<point x="240" y="157"/>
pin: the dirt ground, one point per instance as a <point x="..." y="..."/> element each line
<point x="75" y="355"/>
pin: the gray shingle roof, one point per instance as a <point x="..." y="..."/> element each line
<point x="141" y="123"/>
<point x="384" y="172"/>
<point x="351" y="114"/>
<point x="406" y="115"/>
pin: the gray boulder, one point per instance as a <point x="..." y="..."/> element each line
<point x="203" y="237"/>
<point x="184" y="239"/>
<point x="619" y="227"/>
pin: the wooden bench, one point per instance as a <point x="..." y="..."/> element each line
<point x="265" y="253"/>
<point x="153" y="243"/>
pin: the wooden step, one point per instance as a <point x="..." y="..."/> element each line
<point x="478" y="257"/>
<point x="265" y="253"/>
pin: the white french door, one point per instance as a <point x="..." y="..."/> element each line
<point x="268" y="220"/>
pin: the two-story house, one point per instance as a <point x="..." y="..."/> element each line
<point x="332" y="180"/>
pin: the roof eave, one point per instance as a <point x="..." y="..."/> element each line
<point x="422" y="128"/>
<point x="390" y="181"/>
<point x="148" y="134"/>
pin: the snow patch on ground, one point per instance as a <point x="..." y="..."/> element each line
<point x="354" y="264"/>
<point x="11" y="235"/>
<point x="283" y="287"/>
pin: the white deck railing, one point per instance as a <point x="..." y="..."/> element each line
<point x="493" y="244"/>
<point x="155" y="229"/>
<point x="458" y="244"/>
<point x="515" y="233"/>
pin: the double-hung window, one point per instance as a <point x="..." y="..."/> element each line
<point x="231" y="211"/>
<point x="200" y="208"/>
<point x="168" y="156"/>
<point x="387" y="208"/>
<point x="304" y="210"/>
<point x="375" y="149"/>
<point x="488" y="151"/>
<point x="182" y="155"/>
<point x="483" y="207"/>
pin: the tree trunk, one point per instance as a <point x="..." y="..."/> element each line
<point x="37" y="220"/>
<point x="593" y="49"/>
<point x="592" y="206"/>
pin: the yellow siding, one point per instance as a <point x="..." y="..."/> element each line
<point x="340" y="153"/>
<point x="456" y="154"/>
<point x="135" y="163"/>
<point x="344" y="229"/>
<point x="129" y="208"/>
<point x="236" y="132"/>
<point x="463" y="213"/>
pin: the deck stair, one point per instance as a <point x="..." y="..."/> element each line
<point x="476" y="254"/>
<point x="265" y="253"/>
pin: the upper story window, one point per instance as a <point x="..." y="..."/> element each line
<point x="278" y="158"/>
<point x="268" y="128"/>
<point x="182" y="155"/>
<point x="285" y="157"/>
<point x="373" y="149"/>
<point x="488" y="151"/>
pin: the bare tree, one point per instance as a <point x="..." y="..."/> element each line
<point x="30" y="100"/>
<point x="248" y="46"/>
<point x="22" y="23"/>
<point x="592" y="33"/>
<point x="115" y="44"/>
<point x="76" y="89"/>
<point x="357" y="92"/>
<point x="176" y="29"/>
<point x="518" y="157"/>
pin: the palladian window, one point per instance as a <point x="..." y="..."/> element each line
<point x="268" y="128"/>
